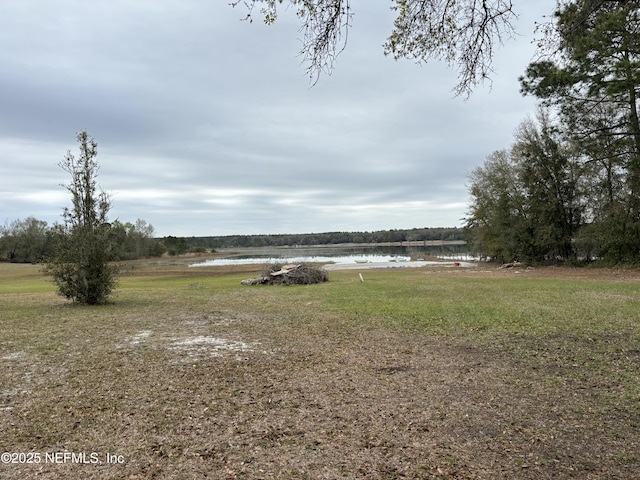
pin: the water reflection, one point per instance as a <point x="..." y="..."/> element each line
<point x="329" y="254"/>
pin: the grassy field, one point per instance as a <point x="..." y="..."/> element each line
<point x="416" y="373"/>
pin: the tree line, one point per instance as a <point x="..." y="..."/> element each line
<point x="569" y="186"/>
<point x="328" y="238"/>
<point x="31" y="240"/>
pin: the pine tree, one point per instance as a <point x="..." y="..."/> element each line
<point x="592" y="78"/>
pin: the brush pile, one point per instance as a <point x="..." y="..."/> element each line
<point x="277" y="274"/>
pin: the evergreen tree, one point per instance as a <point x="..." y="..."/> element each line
<point x="549" y="175"/>
<point x="82" y="246"/>
<point x="592" y="78"/>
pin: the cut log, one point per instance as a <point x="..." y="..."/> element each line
<point x="284" y="270"/>
<point x="511" y="265"/>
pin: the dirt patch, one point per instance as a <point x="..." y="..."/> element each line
<point x="585" y="273"/>
<point x="381" y="406"/>
<point x="212" y="346"/>
<point x="315" y="395"/>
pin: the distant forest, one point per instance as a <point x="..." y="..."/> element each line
<point x="30" y="240"/>
<point x="329" y="238"/>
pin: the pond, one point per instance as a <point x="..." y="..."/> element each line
<point x="336" y="254"/>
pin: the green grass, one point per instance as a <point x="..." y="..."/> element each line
<point x="414" y="373"/>
<point x="23" y="278"/>
<point x="442" y="305"/>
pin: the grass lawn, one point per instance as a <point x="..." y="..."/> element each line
<point x="428" y="373"/>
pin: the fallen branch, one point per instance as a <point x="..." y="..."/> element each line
<point x="511" y="265"/>
<point x="277" y="274"/>
<point x="255" y="281"/>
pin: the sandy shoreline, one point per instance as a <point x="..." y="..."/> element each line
<point x="408" y="264"/>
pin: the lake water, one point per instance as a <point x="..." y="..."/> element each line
<point x="341" y="255"/>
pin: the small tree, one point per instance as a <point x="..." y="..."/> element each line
<point x="82" y="246"/>
<point x="497" y="219"/>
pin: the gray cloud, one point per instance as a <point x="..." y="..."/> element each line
<point x="207" y="125"/>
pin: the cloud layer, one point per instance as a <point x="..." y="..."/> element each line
<point x="207" y="125"/>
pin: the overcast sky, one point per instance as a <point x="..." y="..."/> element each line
<point x="207" y="125"/>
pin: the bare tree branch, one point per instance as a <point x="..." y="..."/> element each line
<point x="462" y="33"/>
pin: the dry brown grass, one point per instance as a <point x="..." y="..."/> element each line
<point x="189" y="375"/>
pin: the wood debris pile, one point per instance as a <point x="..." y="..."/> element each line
<point x="277" y="274"/>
